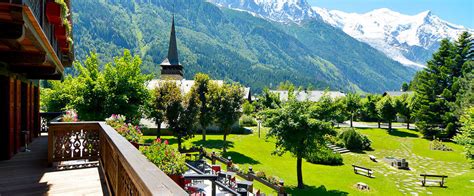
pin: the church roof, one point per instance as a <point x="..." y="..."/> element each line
<point x="172" y="58"/>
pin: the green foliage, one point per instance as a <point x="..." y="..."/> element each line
<point x="387" y="110"/>
<point x="127" y="130"/>
<point x="404" y="105"/>
<point x="466" y="136"/>
<point x="296" y="131"/>
<point x="226" y="102"/>
<point x="441" y="85"/>
<point x="247" y="108"/>
<point x="233" y="45"/>
<point x="60" y="96"/>
<point x="180" y="111"/>
<point x="325" y="109"/>
<point x="165" y="157"/>
<point x="125" y="86"/>
<point x="267" y="100"/>
<point x="324" y="156"/>
<point x="97" y="94"/>
<point x="352" y="102"/>
<point x="353" y="140"/>
<point x="248" y="121"/>
<point x="201" y="87"/>
<point x="369" y="108"/>
<point x="405" y="87"/>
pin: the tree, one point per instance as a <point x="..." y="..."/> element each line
<point x="158" y="103"/>
<point x="369" y="108"/>
<point x="201" y="86"/>
<point x="324" y="109"/>
<point x="296" y="132"/>
<point x="352" y="104"/>
<point x="125" y="87"/>
<point x="433" y="95"/>
<point x="466" y="136"/>
<point x="404" y="87"/>
<point x="404" y="105"/>
<point x="387" y="111"/>
<point x="340" y="112"/>
<point x="267" y="100"/>
<point x="91" y="90"/>
<point x="226" y="102"/>
<point x="247" y="108"/>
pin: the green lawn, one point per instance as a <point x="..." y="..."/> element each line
<point x="248" y="150"/>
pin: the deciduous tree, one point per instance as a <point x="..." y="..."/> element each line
<point x="296" y="132"/>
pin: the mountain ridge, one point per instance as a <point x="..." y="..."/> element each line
<point x="233" y="45"/>
<point x="408" y="39"/>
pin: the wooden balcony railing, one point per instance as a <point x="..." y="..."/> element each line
<point x="126" y="170"/>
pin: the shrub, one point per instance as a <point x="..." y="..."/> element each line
<point x="273" y="179"/>
<point x="324" y="156"/>
<point x="165" y="157"/>
<point x="261" y="174"/>
<point x="354" y="140"/>
<point x="246" y="120"/>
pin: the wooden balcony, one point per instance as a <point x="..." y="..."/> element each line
<point x="29" y="46"/>
<point x="121" y="170"/>
<point x="125" y="170"/>
<point x="27" y="173"/>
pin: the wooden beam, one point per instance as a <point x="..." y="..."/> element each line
<point x="23" y="57"/>
<point x="32" y="69"/>
<point x="11" y="31"/>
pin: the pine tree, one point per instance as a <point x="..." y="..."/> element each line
<point x="438" y="87"/>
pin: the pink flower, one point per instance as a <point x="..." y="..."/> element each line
<point x="166" y="142"/>
<point x="158" y="140"/>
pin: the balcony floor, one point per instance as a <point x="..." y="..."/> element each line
<point x="27" y="173"/>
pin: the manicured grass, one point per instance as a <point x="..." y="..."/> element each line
<point x="248" y="150"/>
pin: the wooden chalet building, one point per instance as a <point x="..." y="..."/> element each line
<point x="33" y="45"/>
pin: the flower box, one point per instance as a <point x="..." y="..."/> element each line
<point x="60" y="32"/>
<point x="53" y="13"/>
<point x="137" y="145"/>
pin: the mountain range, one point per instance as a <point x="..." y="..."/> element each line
<point x="236" y="45"/>
<point x="407" y="39"/>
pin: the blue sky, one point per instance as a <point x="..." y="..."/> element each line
<point x="455" y="11"/>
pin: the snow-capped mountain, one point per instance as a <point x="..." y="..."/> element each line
<point x="276" y="10"/>
<point x="407" y="39"/>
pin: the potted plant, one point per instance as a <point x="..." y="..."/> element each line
<point x="70" y="116"/>
<point x="131" y="132"/>
<point x="168" y="159"/>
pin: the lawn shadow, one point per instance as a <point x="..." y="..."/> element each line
<point x="398" y="133"/>
<point x="213" y="144"/>
<point x="312" y="190"/>
<point x="239" y="158"/>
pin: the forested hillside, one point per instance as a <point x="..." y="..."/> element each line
<point x="233" y="45"/>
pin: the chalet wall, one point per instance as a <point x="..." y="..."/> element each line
<point x="19" y="110"/>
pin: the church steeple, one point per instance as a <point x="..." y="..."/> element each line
<point x="173" y="49"/>
<point x="170" y="67"/>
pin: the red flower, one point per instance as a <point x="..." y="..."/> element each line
<point x="166" y="142"/>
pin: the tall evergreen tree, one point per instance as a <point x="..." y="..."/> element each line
<point x="438" y="87"/>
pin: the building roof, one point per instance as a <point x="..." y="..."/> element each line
<point x="397" y="93"/>
<point x="308" y="95"/>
